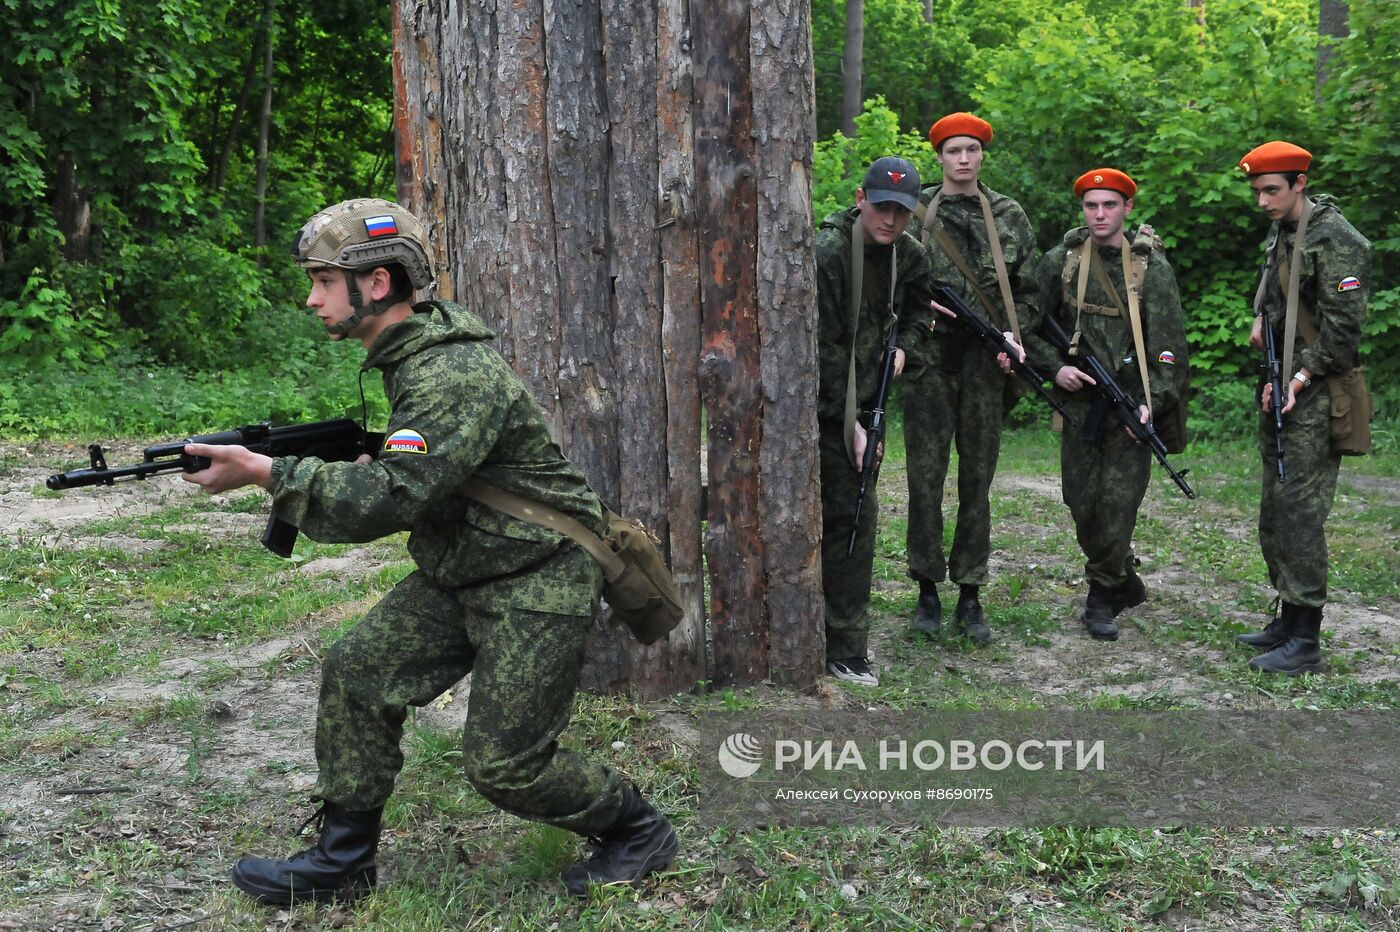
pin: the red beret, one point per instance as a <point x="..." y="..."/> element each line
<point x="1108" y="178"/>
<point x="1276" y="156"/>
<point x="960" y="124"/>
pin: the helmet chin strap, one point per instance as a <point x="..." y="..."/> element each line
<point x="357" y="302"/>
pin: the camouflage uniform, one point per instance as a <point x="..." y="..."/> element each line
<point x="960" y="395"/>
<point x="846" y="580"/>
<point x="1105" y="478"/>
<point x="1292" y="513"/>
<point x="509" y="602"/>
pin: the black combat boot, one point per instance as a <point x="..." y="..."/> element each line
<point x="928" y="615"/>
<point x="340" y="867"/>
<point x="1132" y="592"/>
<point x="969" y="617"/>
<point x="1300" y="653"/>
<point x="639" y="842"/>
<point x="1279" y="629"/>
<point x="1098" y="613"/>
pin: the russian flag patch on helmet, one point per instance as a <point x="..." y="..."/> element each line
<point x="1350" y="283"/>
<point x="381" y="226"/>
<point x="405" y="441"/>
<point x="1167" y="356"/>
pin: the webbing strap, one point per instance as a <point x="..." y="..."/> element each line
<point x="1131" y="312"/>
<point x="933" y="229"/>
<point x="857" y="287"/>
<point x="533" y="512"/>
<point x="1293" y="271"/>
<point x="1080" y="287"/>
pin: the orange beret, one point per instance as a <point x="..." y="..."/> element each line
<point x="1108" y="178"/>
<point x="1276" y="156"/>
<point x="960" y="124"/>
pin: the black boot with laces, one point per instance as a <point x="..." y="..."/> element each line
<point x="339" y="867"/>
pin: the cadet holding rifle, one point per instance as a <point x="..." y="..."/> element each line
<point x="508" y="601"/>
<point x="1115" y="300"/>
<point x="872" y="279"/>
<point x="980" y="245"/>
<point x="1311" y="303"/>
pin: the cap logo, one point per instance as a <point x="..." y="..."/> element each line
<point x="896" y="177"/>
<point x="1245" y="166"/>
<point x="1098" y="179"/>
<point x="381" y="226"/>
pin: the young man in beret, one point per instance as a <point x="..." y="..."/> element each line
<point x="1104" y="470"/>
<point x="1332" y="265"/>
<point x="895" y="290"/>
<point x="980" y="244"/>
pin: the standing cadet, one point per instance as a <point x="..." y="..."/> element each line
<point x="1104" y="471"/>
<point x="508" y="601"/>
<point x="1315" y="289"/>
<point x="980" y="243"/>
<point x="851" y="333"/>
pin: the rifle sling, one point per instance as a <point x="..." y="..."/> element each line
<point x="533" y="512"/>
<point x="857" y="293"/>
<point x="1132" y="312"/>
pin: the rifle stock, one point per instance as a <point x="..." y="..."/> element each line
<point x="337" y="440"/>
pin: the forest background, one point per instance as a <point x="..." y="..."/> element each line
<point x="158" y="154"/>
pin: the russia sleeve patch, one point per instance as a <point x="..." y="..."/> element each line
<point x="1350" y="283"/>
<point x="1167" y="357"/>
<point x="405" y="441"/>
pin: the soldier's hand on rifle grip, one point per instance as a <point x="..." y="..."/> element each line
<point x="898" y="362"/>
<point x="1005" y="361"/>
<point x="1144" y="417"/>
<point x="1267" y="396"/>
<point x="230" y="467"/>
<point x="1072" y="379"/>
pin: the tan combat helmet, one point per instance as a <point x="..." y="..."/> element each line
<point x="361" y="234"/>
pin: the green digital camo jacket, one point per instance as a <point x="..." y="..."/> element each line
<point x="1334" y="282"/>
<point x="457" y="411"/>
<point x="1110" y="339"/>
<point x="912" y="294"/>
<point x="961" y="215"/>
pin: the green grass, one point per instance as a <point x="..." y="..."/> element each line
<point x="85" y="618"/>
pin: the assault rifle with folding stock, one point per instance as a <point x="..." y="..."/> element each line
<point x="997" y="341"/>
<point x="1111" y="395"/>
<point x="338" y="440"/>
<point x="1273" y="365"/>
<point x="875" y="433"/>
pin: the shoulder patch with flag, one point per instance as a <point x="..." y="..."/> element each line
<point x="405" y="441"/>
<point x="381" y="226"/>
<point x="1350" y="283"/>
<point x="1167" y="356"/>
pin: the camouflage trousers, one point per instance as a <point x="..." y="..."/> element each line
<point x="845" y="579"/>
<point x="1103" y="482"/>
<point x="421" y="639"/>
<point x="942" y="407"/>
<point x="1292" y="514"/>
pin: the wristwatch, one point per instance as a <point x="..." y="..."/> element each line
<point x="1303" y="377"/>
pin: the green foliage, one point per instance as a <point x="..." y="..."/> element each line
<point x="877" y="134"/>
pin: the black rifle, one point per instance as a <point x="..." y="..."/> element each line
<point x="1273" y="364"/>
<point x="334" y="441"/>
<point x="997" y="340"/>
<point x="1112" y="395"/>
<point x="875" y="433"/>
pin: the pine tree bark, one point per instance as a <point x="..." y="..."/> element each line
<point x="593" y="190"/>
<point x="852" y="65"/>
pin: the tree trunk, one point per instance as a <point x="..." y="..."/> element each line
<point x="72" y="210"/>
<point x="565" y="157"/>
<point x="264" y="128"/>
<point x="1331" y="27"/>
<point x="852" y="62"/>
<point x="219" y="170"/>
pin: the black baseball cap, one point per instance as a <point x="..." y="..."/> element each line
<point x="892" y="179"/>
